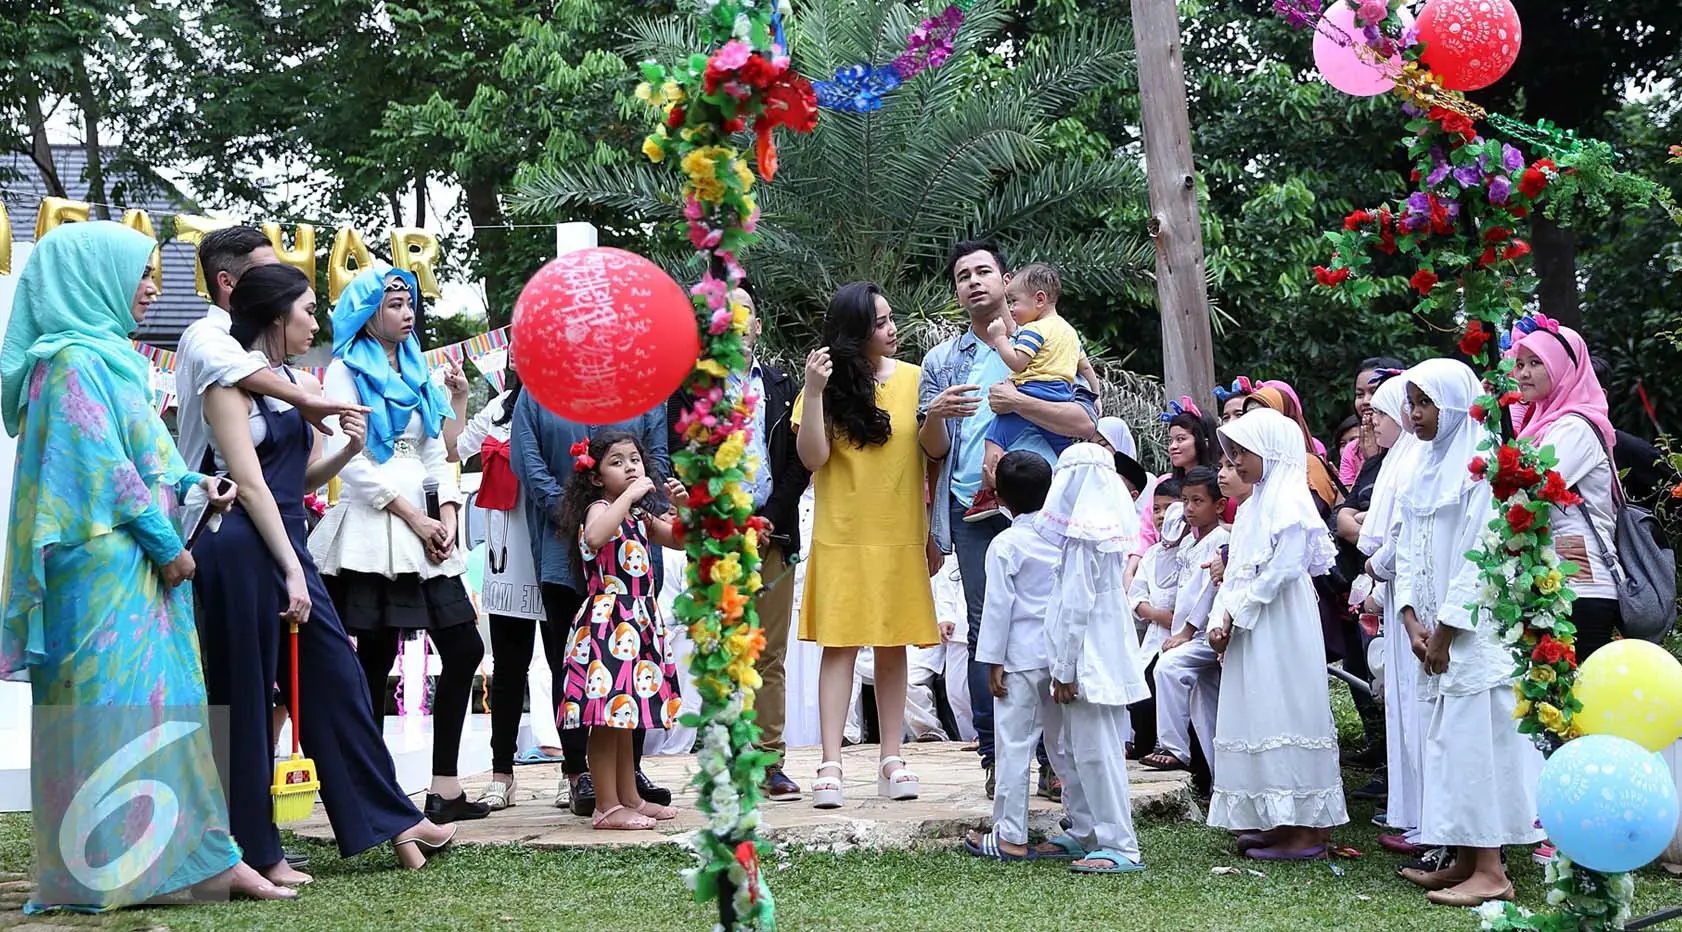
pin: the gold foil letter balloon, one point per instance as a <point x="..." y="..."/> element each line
<point x="5" y="242"/>
<point x="415" y="250"/>
<point x="141" y="222"/>
<point x="347" y="245"/>
<point x="302" y="255"/>
<point x="57" y="211"/>
<point x="190" y="229"/>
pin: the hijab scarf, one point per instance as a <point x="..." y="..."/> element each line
<point x="1279" y="501"/>
<point x="1399" y="464"/>
<point x="1274" y="395"/>
<point x="392" y="395"/>
<point x="1442" y="474"/>
<point x="76" y="289"/>
<point x="1576" y="389"/>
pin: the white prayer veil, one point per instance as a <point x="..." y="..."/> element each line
<point x="1399" y="464"/>
<point x="1281" y="498"/>
<point x="1442" y="473"/>
<point x="1088" y="502"/>
<point x="1118" y="435"/>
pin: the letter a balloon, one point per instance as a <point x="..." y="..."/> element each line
<point x="1632" y="689"/>
<point x="603" y="335"/>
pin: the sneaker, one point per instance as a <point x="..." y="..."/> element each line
<point x="658" y="795"/>
<point x="1544" y="853"/>
<point x="583" y="802"/>
<point x="986" y="506"/>
<point x="1051" y="786"/>
<point x="989" y="769"/>
<point x="1381" y="819"/>
<point x="778" y="787"/>
<point x="1431" y="861"/>
<point x="295" y="860"/>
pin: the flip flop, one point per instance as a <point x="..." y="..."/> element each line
<point x="1119" y="863"/>
<point x="1163" y="762"/>
<point x="989" y="848"/>
<point x="535" y="756"/>
<point x="1276" y="854"/>
<point x="1070" y="850"/>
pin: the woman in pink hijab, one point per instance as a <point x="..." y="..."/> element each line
<point x="1566" y="409"/>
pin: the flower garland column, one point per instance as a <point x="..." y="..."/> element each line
<point x="707" y="101"/>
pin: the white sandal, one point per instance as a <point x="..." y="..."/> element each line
<point x="901" y="784"/>
<point x="498" y="795"/>
<point x="826" y="791"/>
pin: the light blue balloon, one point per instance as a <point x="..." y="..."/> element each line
<point x="1607" y="803"/>
<point x="476" y="568"/>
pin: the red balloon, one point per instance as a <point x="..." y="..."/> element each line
<point x="1470" y="44"/>
<point x="604" y="336"/>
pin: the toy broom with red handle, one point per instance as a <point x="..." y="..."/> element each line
<point x="295" y="782"/>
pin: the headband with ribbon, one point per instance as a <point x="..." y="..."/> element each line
<point x="1240" y="387"/>
<point x="582" y="461"/>
<point x="1176" y="408"/>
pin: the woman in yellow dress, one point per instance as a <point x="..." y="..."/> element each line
<point x="867" y="577"/>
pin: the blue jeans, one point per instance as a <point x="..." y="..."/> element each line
<point x="1007" y="429"/>
<point x="970" y="542"/>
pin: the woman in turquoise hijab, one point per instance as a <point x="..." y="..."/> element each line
<point x="98" y="610"/>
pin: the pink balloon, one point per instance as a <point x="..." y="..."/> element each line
<point x="1345" y="61"/>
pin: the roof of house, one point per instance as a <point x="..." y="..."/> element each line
<point x="22" y="188"/>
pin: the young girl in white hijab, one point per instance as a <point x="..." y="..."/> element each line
<point x="1479" y="772"/>
<point x="1093" y="649"/>
<point x="1404" y="714"/>
<point x="1276" y="755"/>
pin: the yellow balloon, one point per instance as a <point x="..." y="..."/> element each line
<point x="141" y="222"/>
<point x="57" y="211"/>
<point x="302" y="255"/>
<point x="415" y="250"/>
<point x="190" y="229"/>
<point x="347" y="245"/>
<point x="1632" y="689"/>
<point x="5" y="242"/>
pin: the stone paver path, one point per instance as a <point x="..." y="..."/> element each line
<point x="952" y="801"/>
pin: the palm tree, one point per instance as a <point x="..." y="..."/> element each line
<point x="977" y="147"/>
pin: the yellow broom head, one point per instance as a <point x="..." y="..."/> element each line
<point x="294" y="789"/>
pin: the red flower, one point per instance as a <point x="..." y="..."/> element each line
<point x="1518" y="249"/>
<point x="1472" y="343"/>
<point x="1507" y="458"/>
<point x="1479" y="466"/>
<point x="1453" y="123"/>
<point x="675" y="118"/>
<point x="1441" y="225"/>
<point x="1330" y="278"/>
<point x="1497" y="235"/>
<point x="1520" y="518"/>
<point x="758" y="72"/>
<point x="678" y="529"/>
<point x="1415" y="176"/>
<point x="1356" y="220"/>
<point x="1550" y="651"/>
<point x="1533" y="183"/>
<point x="735" y="125"/>
<point x="790" y="102"/>
<point x="748" y="856"/>
<point x="1423" y="281"/>
<point x="1556" y="492"/>
<point x="1510" y="399"/>
<point x="1476" y="412"/>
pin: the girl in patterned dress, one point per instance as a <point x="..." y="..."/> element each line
<point x="617" y="674"/>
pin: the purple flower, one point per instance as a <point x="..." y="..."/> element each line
<point x="1413" y="223"/>
<point x="1412" y="111"/>
<point x="1452" y="208"/>
<point x="1437" y="175"/>
<point x="1410" y="37"/>
<point x="1468" y="176"/>
<point x="1500" y="189"/>
<point x="1511" y="158"/>
<point x="1419" y="203"/>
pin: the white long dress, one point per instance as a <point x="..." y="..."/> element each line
<point x="1478" y="774"/>
<point x="1276" y="752"/>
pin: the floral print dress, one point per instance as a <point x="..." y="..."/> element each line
<point x="617" y="672"/>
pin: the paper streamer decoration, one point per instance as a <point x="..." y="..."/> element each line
<point x="860" y="88"/>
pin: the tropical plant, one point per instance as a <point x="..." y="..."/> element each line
<point x="981" y="146"/>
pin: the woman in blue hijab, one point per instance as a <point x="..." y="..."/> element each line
<point x="98" y="612"/>
<point x="387" y="549"/>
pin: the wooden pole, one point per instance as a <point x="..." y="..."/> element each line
<point x="1188" y="359"/>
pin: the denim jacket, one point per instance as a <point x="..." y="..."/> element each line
<point x="540" y="450"/>
<point x="945" y="366"/>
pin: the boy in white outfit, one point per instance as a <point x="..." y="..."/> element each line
<point x="1094" y="654"/>
<point x="1188" y="674"/>
<point x="1021" y="564"/>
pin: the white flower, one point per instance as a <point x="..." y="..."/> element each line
<point x="1491" y="911"/>
<point x="1512" y="634"/>
<point x="744" y="27"/>
<point x="1543" y="620"/>
<point x="785" y="8"/>
<point x="1623" y="887"/>
<point x="1556" y="897"/>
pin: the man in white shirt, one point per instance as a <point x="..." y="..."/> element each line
<point x="208" y="355"/>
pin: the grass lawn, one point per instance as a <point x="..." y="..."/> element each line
<point x="638" y="890"/>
